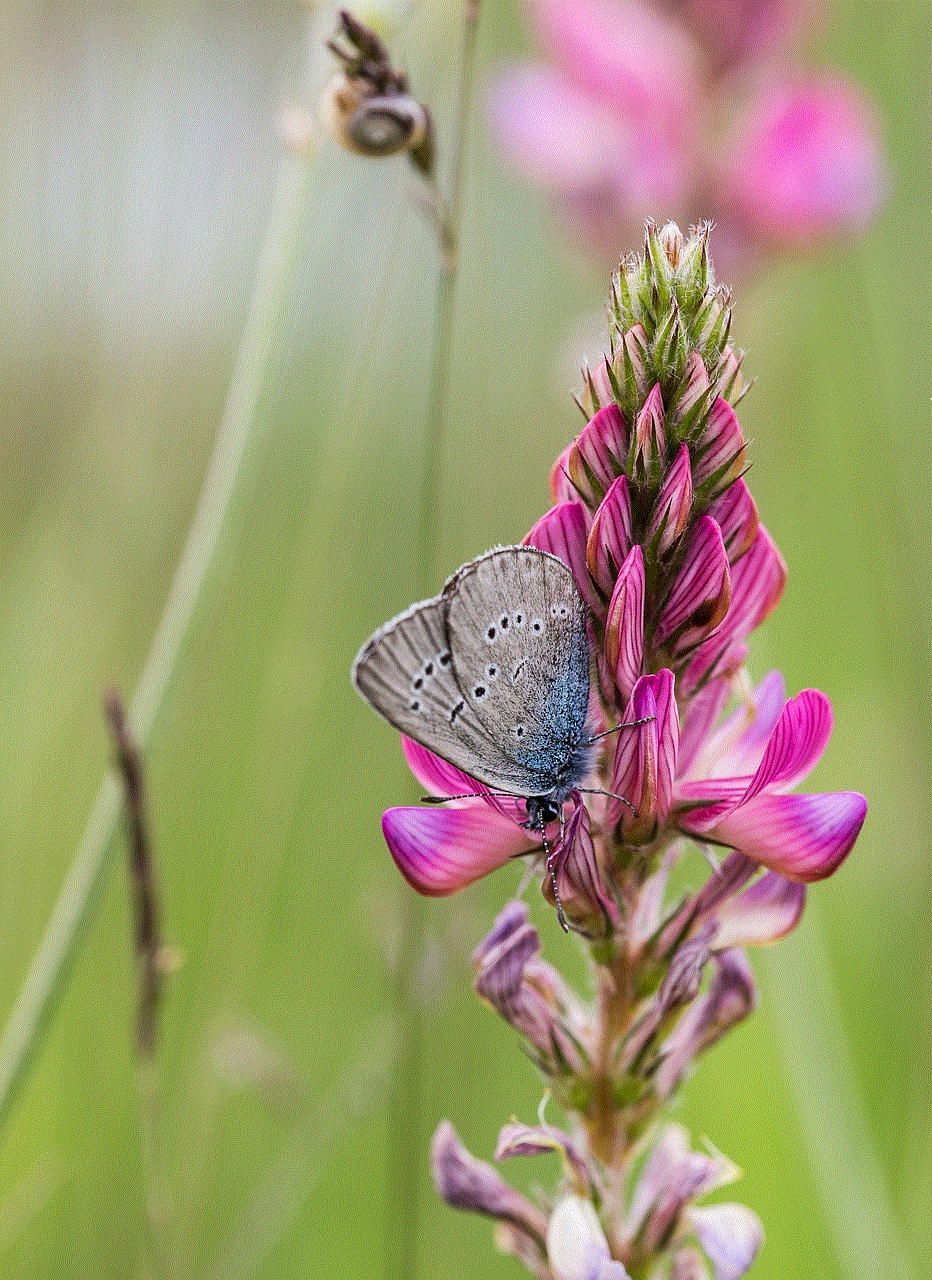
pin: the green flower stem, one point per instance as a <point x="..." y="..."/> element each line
<point x="405" y="1154"/>
<point x="205" y="542"/>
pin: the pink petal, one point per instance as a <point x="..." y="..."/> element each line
<point x="737" y="746"/>
<point x="610" y="536"/>
<point x="699" y="597"/>
<point x="803" y="837"/>
<point x="645" y="757"/>
<point x="436" y="776"/>
<point x="554" y="133"/>
<point x="730" y="1236"/>
<point x="795" y="745"/>
<point x="718" y="456"/>
<point x="624" y="625"/>
<point x="735" y="513"/>
<point x="441" y="850"/>
<point x="562" y="532"/>
<point x="757" y="582"/>
<point x="599" y="454"/>
<point x="808" y="164"/>
<point x="771" y="908"/>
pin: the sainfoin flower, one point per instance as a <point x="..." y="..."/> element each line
<point x="655" y="521"/>
<point x="708" y="113"/>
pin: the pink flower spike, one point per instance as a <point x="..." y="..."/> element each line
<point x="803" y="837"/>
<point x="562" y="532"/>
<point x="626" y="54"/>
<point x="718" y="456"/>
<point x="598" y="456"/>
<point x="770" y="909"/>
<point x="439" y="851"/>
<point x="699" y="598"/>
<point x="674" y="504"/>
<point x="624" y="625"/>
<point x="645" y="759"/>
<point x="808" y="163"/>
<point x="735" y="513"/>
<point x="610" y="536"/>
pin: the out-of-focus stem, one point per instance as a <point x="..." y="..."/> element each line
<point x="74" y="908"/>
<point x="405" y="1156"/>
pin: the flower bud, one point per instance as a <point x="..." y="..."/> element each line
<point x="468" y="1183"/>
<point x="645" y="759"/>
<point x="672" y="508"/>
<point x="718" y="455"/>
<point x="598" y="455"/>
<point x="610" y="537"/>
<point x="623" y="650"/>
<point x="698" y="600"/>
<point x="650" y="441"/>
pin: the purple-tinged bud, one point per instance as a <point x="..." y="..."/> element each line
<point x="645" y="759"/>
<point x="527" y="1140"/>
<point x="650" y="441"/>
<point x="598" y="455"/>
<point x="583" y="896"/>
<point x="730" y="1236"/>
<point x="562" y="532"/>
<point x="672" y="1176"/>
<point x="679" y="987"/>
<point x="735" y="513"/>
<point x="700" y="595"/>
<point x="623" y="649"/>
<point x="731" y="997"/>
<point x="610" y="537"/>
<point x="718" y="455"/>
<point x="526" y="991"/>
<point x="468" y="1183"/>
<point x="673" y="507"/>
<point x="576" y="1245"/>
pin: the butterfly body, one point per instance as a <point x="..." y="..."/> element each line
<point x="493" y="676"/>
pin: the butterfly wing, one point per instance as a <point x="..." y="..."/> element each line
<point x="405" y="671"/>
<point x="516" y="626"/>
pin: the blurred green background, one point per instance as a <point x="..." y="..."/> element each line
<point x="139" y="159"/>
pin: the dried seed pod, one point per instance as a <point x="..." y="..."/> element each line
<point x="366" y="107"/>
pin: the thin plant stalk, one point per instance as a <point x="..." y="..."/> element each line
<point x="206" y="540"/>
<point x="402" y="1202"/>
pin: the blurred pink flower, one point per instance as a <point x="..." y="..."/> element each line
<point x="700" y="108"/>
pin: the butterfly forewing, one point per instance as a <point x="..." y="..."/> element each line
<point x="516" y="627"/>
<point x="405" y="671"/>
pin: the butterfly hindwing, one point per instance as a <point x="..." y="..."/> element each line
<point x="516" y="628"/>
<point x="405" y="671"/>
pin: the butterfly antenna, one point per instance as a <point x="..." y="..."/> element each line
<point x="629" y="724"/>
<point x="596" y="791"/>
<point x="553" y="875"/>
